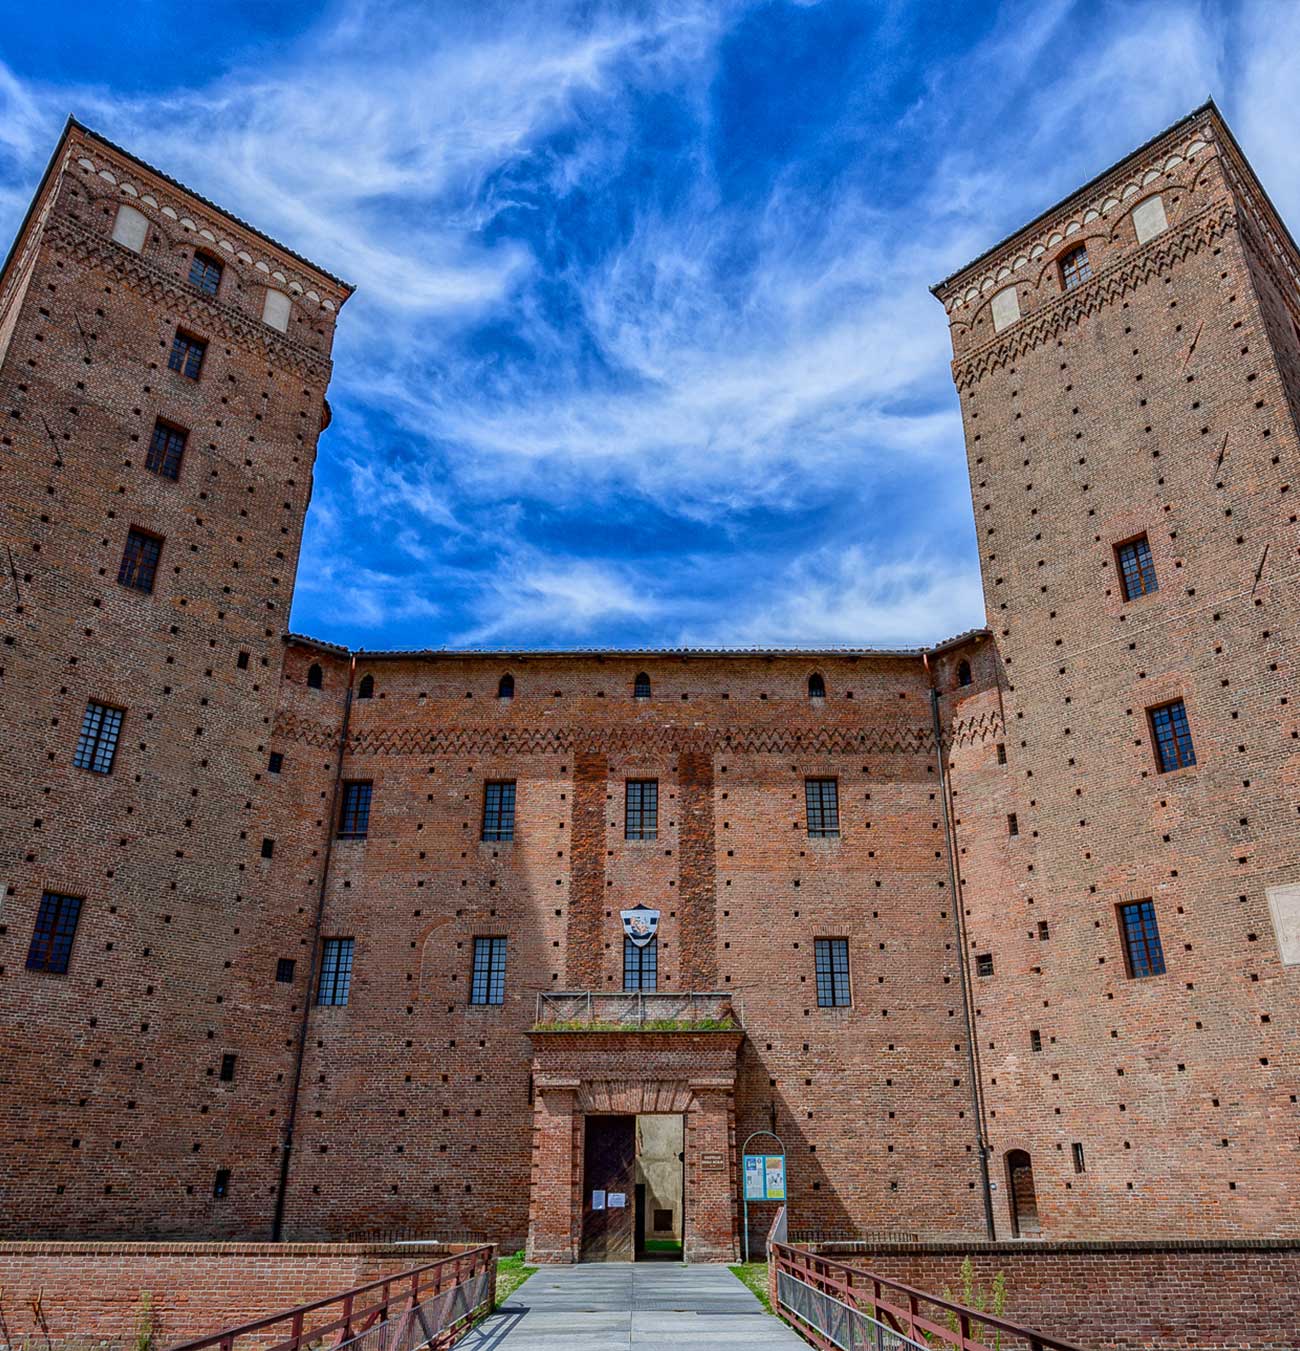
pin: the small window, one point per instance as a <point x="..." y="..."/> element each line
<point x="1076" y="1150"/>
<point x="1044" y="932"/>
<point x="1002" y="753"/>
<point x="1172" y="736"/>
<point x="640" y="965"/>
<point x="97" y="742"/>
<point x="641" y="816"/>
<point x="354" y="816"/>
<point x="187" y="355"/>
<point x="56" y="926"/>
<point x="227" y="1075"/>
<point x="963" y="673"/>
<point x="1137" y="570"/>
<point x="221" y="1184"/>
<point x="816" y="687"/>
<point x="1075" y="268"/>
<point x="831" y="963"/>
<point x="268" y="847"/>
<point x="276" y="308"/>
<point x="1143" y="955"/>
<point x="275" y="762"/>
<point x="205" y="273"/>
<point x="823" y="803"/>
<point x="506" y="687"/>
<point x="499" y="810"/>
<point x="284" y="969"/>
<point x="984" y="964"/>
<point x="241" y="661"/>
<point x="130" y="228"/>
<point x="1035" y="1039"/>
<point x="335" y="971"/>
<point x="641" y="687"/>
<point x="166" y="447"/>
<point x="366" y="689"/>
<point x="314" y="676"/>
<point x="488" y="981"/>
<point x="1013" y="825"/>
<point x="139" y="566"/>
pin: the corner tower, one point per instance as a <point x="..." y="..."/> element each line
<point x="1129" y="372"/>
<point x="163" y="369"/>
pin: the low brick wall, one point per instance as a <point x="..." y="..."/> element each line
<point x="92" y="1295"/>
<point x="1136" y="1296"/>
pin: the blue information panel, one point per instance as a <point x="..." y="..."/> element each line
<point x="764" y="1177"/>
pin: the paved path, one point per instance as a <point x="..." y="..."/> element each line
<point x="651" y="1306"/>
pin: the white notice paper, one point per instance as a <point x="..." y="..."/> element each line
<point x="617" y="1200"/>
<point x="598" y="1200"/>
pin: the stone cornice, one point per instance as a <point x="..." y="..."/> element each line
<point x="1111" y="283"/>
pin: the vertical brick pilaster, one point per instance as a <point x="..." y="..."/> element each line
<point x="698" y="959"/>
<point x="587" y="893"/>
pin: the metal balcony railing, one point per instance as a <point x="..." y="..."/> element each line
<point x="572" y="1010"/>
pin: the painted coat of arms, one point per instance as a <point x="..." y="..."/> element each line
<point x="640" y="924"/>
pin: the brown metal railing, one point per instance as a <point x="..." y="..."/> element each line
<point x="634" y="1008"/>
<point x="426" y="1306"/>
<point x="837" y="1307"/>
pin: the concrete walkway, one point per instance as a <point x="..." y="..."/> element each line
<point x="652" y="1306"/>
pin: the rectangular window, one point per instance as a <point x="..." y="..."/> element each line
<point x="1013" y="825"/>
<point x="227" y="1075"/>
<point x="335" y="971"/>
<point x="1044" y="933"/>
<point x="1143" y="955"/>
<point x="166" y="447"/>
<point x="1035" y="1040"/>
<point x="1172" y="736"/>
<point x="354" y="817"/>
<point x="187" y="355"/>
<point x="641" y="821"/>
<point x="56" y="926"/>
<point x="1002" y="753"/>
<point x="823" y="800"/>
<point x="984" y="964"/>
<point x="499" y="810"/>
<point x="831" y="960"/>
<point x="284" y="968"/>
<point x="275" y="762"/>
<point x="268" y="848"/>
<point x="221" y="1184"/>
<point x="205" y="273"/>
<point x="1076" y="1150"/>
<point x="1137" y="569"/>
<point x="97" y="742"/>
<point x="139" y="564"/>
<point x="640" y="965"/>
<point x="1075" y="268"/>
<point x="488" y="984"/>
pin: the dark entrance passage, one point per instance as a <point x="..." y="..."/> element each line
<point x="609" y="1189"/>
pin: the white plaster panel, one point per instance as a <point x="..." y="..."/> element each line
<point x="275" y="310"/>
<point x="131" y="228"/>
<point x="1006" y="308"/>
<point x="1149" y="218"/>
<point x="1284" y="906"/>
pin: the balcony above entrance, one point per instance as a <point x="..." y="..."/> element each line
<point x="588" y="1011"/>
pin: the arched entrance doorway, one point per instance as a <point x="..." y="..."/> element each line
<point x="1020" y="1190"/>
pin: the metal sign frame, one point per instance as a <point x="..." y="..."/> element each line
<point x="744" y="1190"/>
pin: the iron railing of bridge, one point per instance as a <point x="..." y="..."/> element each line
<point x="426" y="1306"/>
<point x="637" y="1008"/>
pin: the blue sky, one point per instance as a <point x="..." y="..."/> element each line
<point x="642" y="350"/>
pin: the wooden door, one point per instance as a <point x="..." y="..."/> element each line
<point x="609" y="1167"/>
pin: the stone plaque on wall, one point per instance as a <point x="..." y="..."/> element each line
<point x="1284" y="906"/>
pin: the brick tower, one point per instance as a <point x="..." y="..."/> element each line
<point x="1129" y="372"/>
<point x="162" y="377"/>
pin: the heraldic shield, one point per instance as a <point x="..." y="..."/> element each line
<point x="640" y="924"/>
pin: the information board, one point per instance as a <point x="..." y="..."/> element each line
<point x="764" y="1177"/>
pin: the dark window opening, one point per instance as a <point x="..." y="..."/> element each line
<point x="816" y="687"/>
<point x="275" y="762"/>
<point x="488" y="980"/>
<point x="823" y="804"/>
<point x="1035" y="1040"/>
<point x="1143" y="955"/>
<point x="335" y="971"/>
<point x="241" y="661"/>
<point x="499" y="810"/>
<point x="831" y="963"/>
<point x="205" y="273"/>
<point x="1013" y="826"/>
<point x="166" y="449"/>
<point x="227" y="1075"/>
<point x="641" y="686"/>
<point x="1075" y="268"/>
<point x="506" y="687"/>
<point x="268" y="847"/>
<point x="221" y="1184"/>
<point x="314" y="676"/>
<point x="354" y="815"/>
<point x="1172" y="736"/>
<point x="1023" y="1198"/>
<point x="56" y="926"/>
<point x="641" y="815"/>
<point x="284" y="969"/>
<point x="1137" y="569"/>
<point x="963" y="673"/>
<point x="1077" y="1150"/>
<point x="1044" y="933"/>
<point x="187" y="355"/>
<point x="366" y="689"/>
<point x="640" y="965"/>
<point x="984" y="964"/>
<point x="139" y="564"/>
<point x="1002" y="753"/>
<point x="97" y="741"/>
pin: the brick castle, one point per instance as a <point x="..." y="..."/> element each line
<point x="999" y="937"/>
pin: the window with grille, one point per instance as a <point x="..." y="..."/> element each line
<point x="1075" y="268"/>
<point x="823" y="801"/>
<point x="984" y="964"/>
<point x="166" y="447"/>
<point x="187" y="355"/>
<point x="641" y="820"/>
<point x="139" y="564"/>
<point x="354" y="815"/>
<point x="640" y="965"/>
<point x="56" y="926"/>
<point x="335" y="971"/>
<point x="488" y="981"/>
<point x="1143" y="955"/>
<point x="1035" y="1040"/>
<point x="499" y="810"/>
<point x="641" y="687"/>
<point x="831" y="959"/>
<point x="97" y="743"/>
<point x="1137" y="569"/>
<point x="205" y="273"/>
<point x="1172" y="736"/>
<point x="1076" y="1150"/>
<point x="284" y="969"/>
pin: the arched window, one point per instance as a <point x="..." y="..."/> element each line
<point x="963" y="673"/>
<point x="641" y="689"/>
<point x="1020" y="1186"/>
<point x="506" y="687"/>
<point x="816" y="687"/>
<point x="366" y="690"/>
<point x="314" y="676"/>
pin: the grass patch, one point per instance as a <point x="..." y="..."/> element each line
<point x="511" y="1274"/>
<point x="754" y="1275"/>
<point x="663" y="1245"/>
